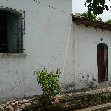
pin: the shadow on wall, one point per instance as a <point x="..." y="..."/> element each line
<point x="81" y="85"/>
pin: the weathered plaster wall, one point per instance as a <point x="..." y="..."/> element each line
<point x="47" y="25"/>
<point x="68" y="78"/>
<point x="53" y="41"/>
<point x="81" y="69"/>
<point x="87" y="39"/>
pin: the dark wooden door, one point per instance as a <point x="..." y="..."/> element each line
<point x="101" y="63"/>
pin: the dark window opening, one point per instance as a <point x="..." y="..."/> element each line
<point x="10" y="32"/>
<point x="102" y="62"/>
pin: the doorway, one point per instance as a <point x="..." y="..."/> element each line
<point x="102" y="62"/>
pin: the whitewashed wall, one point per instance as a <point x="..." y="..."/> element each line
<point x="82" y="67"/>
<point x="52" y="40"/>
<point x="47" y="25"/>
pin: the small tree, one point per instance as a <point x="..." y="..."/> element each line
<point x="49" y="83"/>
<point x="96" y="6"/>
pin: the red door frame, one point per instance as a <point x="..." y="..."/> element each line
<point x="102" y="62"/>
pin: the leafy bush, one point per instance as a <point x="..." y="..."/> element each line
<point x="90" y="16"/>
<point x="49" y="82"/>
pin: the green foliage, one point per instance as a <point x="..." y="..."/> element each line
<point x="96" y="6"/>
<point x="109" y="21"/>
<point x="91" y="16"/>
<point x="49" y="82"/>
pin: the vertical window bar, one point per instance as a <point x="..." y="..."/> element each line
<point x="23" y="19"/>
<point x="22" y="31"/>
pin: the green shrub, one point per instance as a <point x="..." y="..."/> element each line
<point x="48" y="81"/>
<point x="90" y="16"/>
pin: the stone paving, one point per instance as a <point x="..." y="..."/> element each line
<point x="108" y="89"/>
<point x="20" y="105"/>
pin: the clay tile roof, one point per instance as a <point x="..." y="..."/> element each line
<point x="96" y="24"/>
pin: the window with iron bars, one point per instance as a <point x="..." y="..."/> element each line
<point x="11" y="31"/>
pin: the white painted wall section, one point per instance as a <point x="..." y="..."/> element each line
<point x="47" y="25"/>
<point x="85" y="55"/>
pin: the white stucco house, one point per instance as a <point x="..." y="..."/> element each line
<point x="88" y="54"/>
<point x="38" y="33"/>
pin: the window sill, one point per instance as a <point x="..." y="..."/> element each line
<point x="17" y="55"/>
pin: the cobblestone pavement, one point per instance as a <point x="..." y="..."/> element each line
<point x="19" y="105"/>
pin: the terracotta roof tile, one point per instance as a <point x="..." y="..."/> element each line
<point x="96" y="24"/>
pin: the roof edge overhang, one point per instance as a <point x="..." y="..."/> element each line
<point x="96" y="24"/>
